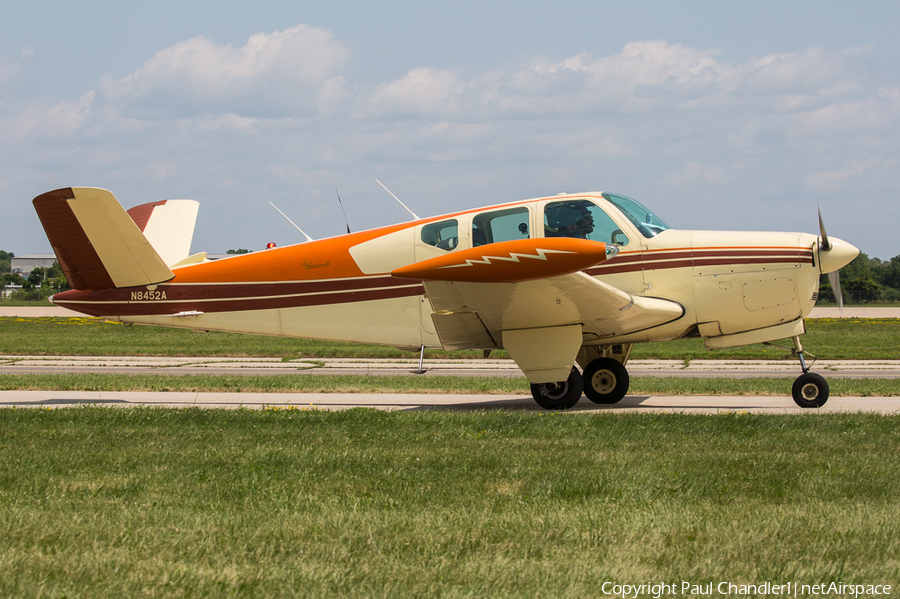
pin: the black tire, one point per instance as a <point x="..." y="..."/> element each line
<point x="558" y="396"/>
<point x="606" y="381"/>
<point x="810" y="390"/>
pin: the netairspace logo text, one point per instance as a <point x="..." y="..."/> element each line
<point x="787" y="589"/>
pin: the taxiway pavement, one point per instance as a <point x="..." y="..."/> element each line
<point x="889" y="369"/>
<point x="388" y="401"/>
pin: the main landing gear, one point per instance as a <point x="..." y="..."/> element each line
<point x="605" y="379"/>
<point x="559" y="396"/>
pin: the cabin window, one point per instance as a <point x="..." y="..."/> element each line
<point x="647" y="223"/>
<point x="500" y="225"/>
<point x="582" y="219"/>
<point x="443" y="235"/>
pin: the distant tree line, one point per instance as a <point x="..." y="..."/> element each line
<point x="866" y="280"/>
<point x="6" y="262"/>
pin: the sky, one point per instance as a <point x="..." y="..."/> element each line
<point x="715" y="115"/>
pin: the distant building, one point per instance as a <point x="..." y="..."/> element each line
<point x="7" y="290"/>
<point x="23" y="265"/>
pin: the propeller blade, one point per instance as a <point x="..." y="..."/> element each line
<point x="824" y="243"/>
<point x="835" y="279"/>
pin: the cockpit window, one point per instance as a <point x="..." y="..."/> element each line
<point x="582" y="219"/>
<point x="443" y="235"/>
<point x="500" y="225"/>
<point x="647" y="223"/>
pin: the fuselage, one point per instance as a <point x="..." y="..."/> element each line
<point x="341" y="288"/>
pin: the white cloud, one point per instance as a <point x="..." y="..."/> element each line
<point x="10" y="66"/>
<point x="646" y="76"/>
<point x="66" y="117"/>
<point x="708" y="174"/>
<point x="422" y="91"/>
<point x="677" y="126"/>
<point x="871" y="172"/>
<point x="278" y="73"/>
<point x="840" y="116"/>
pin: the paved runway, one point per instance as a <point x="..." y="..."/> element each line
<point x="388" y="401"/>
<point x="889" y="369"/>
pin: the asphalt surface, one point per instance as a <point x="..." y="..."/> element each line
<point x="788" y="368"/>
<point x="409" y="402"/>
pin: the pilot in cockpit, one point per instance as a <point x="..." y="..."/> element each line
<point x="568" y="220"/>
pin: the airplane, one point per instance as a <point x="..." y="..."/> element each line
<point x="566" y="284"/>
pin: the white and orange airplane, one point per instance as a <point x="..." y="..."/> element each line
<point x="563" y="283"/>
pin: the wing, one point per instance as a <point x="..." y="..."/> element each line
<point x="573" y="299"/>
<point x="490" y="296"/>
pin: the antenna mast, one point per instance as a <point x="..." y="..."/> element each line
<point x="415" y="216"/>
<point x="342" y="211"/>
<point x="308" y="238"/>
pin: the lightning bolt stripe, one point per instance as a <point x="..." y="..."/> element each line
<point x="512" y="257"/>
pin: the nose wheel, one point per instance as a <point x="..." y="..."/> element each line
<point x="810" y="390"/>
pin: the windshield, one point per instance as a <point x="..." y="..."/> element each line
<point x="647" y="223"/>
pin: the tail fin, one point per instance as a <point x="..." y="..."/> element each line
<point x="169" y="227"/>
<point x="97" y="243"/>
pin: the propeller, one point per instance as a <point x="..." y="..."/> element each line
<point x="834" y="276"/>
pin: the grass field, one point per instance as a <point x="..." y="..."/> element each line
<point x="827" y="338"/>
<point x="98" y="502"/>
<point x="206" y="503"/>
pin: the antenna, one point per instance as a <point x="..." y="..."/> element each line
<point x="415" y="216"/>
<point x="342" y="210"/>
<point x="308" y="238"/>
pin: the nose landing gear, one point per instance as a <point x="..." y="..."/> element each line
<point x="810" y="390"/>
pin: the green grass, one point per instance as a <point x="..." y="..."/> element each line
<point x="171" y="503"/>
<point x="827" y="338"/>
<point x="93" y="337"/>
<point x="322" y="383"/>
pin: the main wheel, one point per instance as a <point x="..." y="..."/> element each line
<point x="605" y="381"/>
<point x="558" y="396"/>
<point x="810" y="390"/>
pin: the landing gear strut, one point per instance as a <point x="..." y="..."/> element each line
<point x="810" y="390"/>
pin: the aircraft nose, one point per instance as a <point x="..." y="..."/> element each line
<point x="840" y="254"/>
